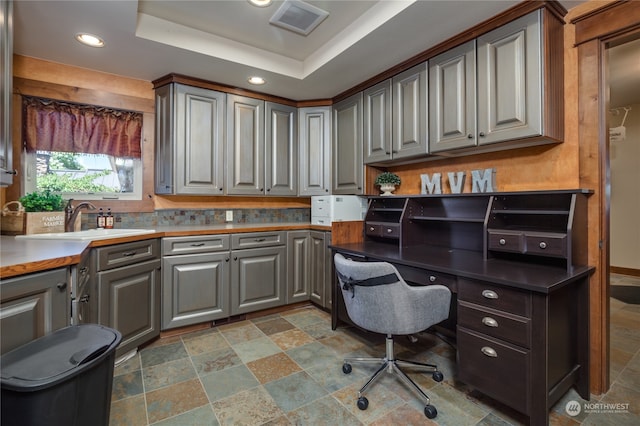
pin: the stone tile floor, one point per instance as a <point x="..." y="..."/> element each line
<point x="285" y="369"/>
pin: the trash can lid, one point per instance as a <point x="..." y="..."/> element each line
<point x="50" y="359"/>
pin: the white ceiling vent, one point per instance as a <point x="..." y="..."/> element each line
<point x="298" y="16"/>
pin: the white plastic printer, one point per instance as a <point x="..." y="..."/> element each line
<point x="336" y="208"/>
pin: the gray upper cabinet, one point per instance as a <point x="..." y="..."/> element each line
<point x="189" y="140"/>
<point x="452" y="99"/>
<point x="281" y="149"/>
<point x="491" y="89"/>
<point x="410" y="112"/>
<point x="245" y="145"/>
<point x="348" y="170"/>
<point x="315" y="151"/>
<point x="6" y="80"/>
<point x="377" y="123"/>
<point x="510" y="81"/>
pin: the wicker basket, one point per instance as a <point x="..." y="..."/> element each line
<point x="19" y="222"/>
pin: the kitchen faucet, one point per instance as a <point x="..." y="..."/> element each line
<point x="70" y="213"/>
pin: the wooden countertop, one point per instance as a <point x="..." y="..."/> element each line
<point x="19" y="256"/>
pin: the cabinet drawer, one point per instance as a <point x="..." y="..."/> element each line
<point x="512" y="328"/>
<point x="385" y="230"/>
<point x="257" y="239"/>
<point x="496" y="297"/>
<point x="427" y="277"/>
<point x="196" y="244"/>
<point x="506" y="241"/>
<point x="498" y="369"/>
<point x="546" y="244"/>
<point x="126" y="254"/>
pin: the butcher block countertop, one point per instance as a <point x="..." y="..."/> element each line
<point x="19" y="256"/>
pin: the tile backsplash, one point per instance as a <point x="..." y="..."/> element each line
<point x="199" y="217"/>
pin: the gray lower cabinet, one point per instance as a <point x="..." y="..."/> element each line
<point x="195" y="279"/>
<point x="258" y="271"/>
<point x="128" y="282"/>
<point x="320" y="268"/>
<point x="298" y="266"/>
<point x="33" y="305"/>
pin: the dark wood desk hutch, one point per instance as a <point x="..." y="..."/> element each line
<point x="516" y="262"/>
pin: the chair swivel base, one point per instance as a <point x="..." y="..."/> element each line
<point x="392" y="365"/>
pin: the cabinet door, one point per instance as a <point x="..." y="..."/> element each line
<point x="318" y="262"/>
<point x="130" y="303"/>
<point x="315" y="151"/>
<point x="199" y="156"/>
<point x="347" y="146"/>
<point x="258" y="279"/>
<point x="328" y="272"/>
<point x="298" y="264"/>
<point x="452" y="99"/>
<point x="410" y="112"/>
<point x="377" y="122"/>
<point x="164" y="167"/>
<point x="281" y="149"/>
<point x="195" y="289"/>
<point x="6" y="92"/>
<point x="32" y="306"/>
<point x="245" y="145"/>
<point x="510" y="81"/>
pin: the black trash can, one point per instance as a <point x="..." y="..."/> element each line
<point x="63" y="378"/>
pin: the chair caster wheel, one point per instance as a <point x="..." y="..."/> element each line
<point x="363" y="403"/>
<point x="430" y="411"/>
<point x="346" y="368"/>
<point x="437" y="376"/>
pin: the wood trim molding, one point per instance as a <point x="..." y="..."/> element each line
<point x="608" y="21"/>
<point x="625" y="271"/>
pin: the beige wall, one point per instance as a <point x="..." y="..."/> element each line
<point x="624" y="157"/>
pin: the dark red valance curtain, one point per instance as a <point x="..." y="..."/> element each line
<point x="51" y="125"/>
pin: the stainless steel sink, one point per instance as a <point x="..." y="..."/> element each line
<point x="89" y="234"/>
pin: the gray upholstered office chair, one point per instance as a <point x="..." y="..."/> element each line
<point x="379" y="300"/>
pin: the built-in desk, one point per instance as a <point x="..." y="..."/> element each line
<point x="522" y="317"/>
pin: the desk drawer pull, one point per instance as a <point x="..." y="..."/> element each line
<point x="489" y="294"/>
<point x="432" y="278"/>
<point x="542" y="245"/>
<point x="371" y="228"/>
<point x="389" y="230"/>
<point x="502" y="241"/>
<point x="489" y="322"/>
<point x="490" y="352"/>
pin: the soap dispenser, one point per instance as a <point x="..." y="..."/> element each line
<point x="100" y="220"/>
<point x="109" y="219"/>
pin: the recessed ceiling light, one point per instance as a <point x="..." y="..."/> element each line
<point x="256" y="80"/>
<point x="90" y="40"/>
<point x="260" y="3"/>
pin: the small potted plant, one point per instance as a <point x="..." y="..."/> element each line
<point x="387" y="182"/>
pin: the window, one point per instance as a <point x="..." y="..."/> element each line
<point x="82" y="151"/>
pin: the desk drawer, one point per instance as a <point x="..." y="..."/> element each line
<point x="546" y="244"/>
<point x="382" y="229"/>
<point x="498" y="369"/>
<point x="427" y="277"/>
<point x="512" y="328"/>
<point x="506" y="241"/>
<point x="127" y="253"/>
<point x="491" y="296"/>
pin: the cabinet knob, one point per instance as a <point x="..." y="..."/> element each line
<point x="61" y="286"/>
<point x="11" y="172"/>
<point x="489" y="294"/>
<point x="470" y="136"/>
<point x="326" y="190"/>
<point x="235" y="258"/>
<point x="371" y="228"/>
<point x="489" y="351"/>
<point x="432" y="278"/>
<point x="389" y="230"/>
<point x="481" y="134"/>
<point x="543" y="245"/>
<point x="489" y="322"/>
<point x="227" y="259"/>
<point x="502" y="241"/>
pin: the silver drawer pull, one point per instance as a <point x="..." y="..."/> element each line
<point x="371" y="228"/>
<point x="542" y="245"/>
<point x="489" y="322"/>
<point x="432" y="278"/>
<point x="197" y="244"/>
<point x="128" y="253"/>
<point x="502" y="241"/>
<point x="489" y="294"/>
<point x="389" y="230"/>
<point x="259" y="240"/>
<point x="490" y="352"/>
